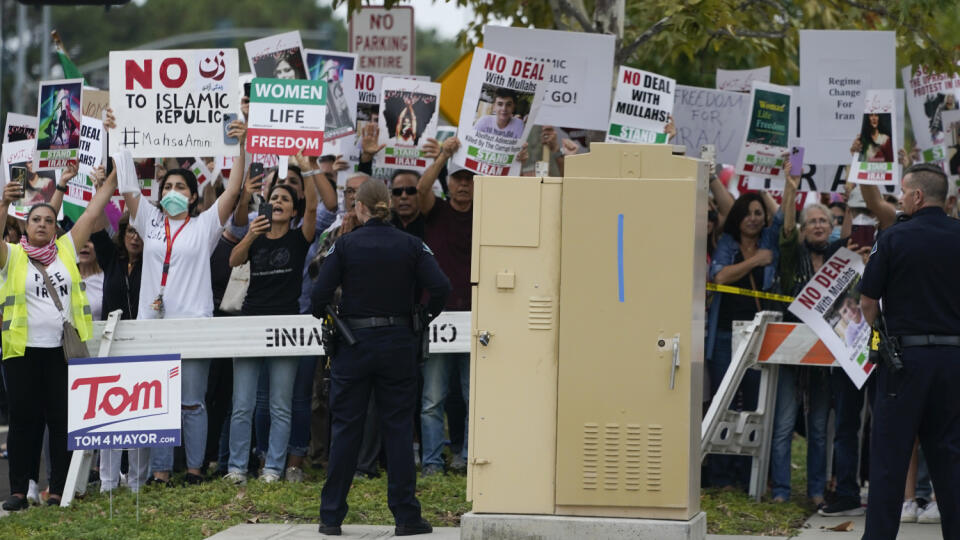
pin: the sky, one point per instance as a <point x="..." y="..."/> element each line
<point x="446" y="17"/>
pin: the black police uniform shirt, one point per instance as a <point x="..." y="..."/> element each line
<point x="913" y="268"/>
<point x="276" y="274"/>
<point x="378" y="268"/>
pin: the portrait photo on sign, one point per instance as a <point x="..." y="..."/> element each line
<point x="933" y="108"/>
<point x="847" y="319"/>
<point x="876" y="140"/>
<point x="407" y="114"/>
<point x="502" y="111"/>
<point x="59" y="116"/>
<point x="285" y="64"/>
<point x="38" y="187"/>
<point x="328" y="65"/>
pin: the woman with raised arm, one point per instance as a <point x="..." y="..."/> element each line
<point x="175" y="279"/>
<point x="33" y="355"/>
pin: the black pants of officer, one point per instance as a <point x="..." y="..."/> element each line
<point x="383" y="362"/>
<point x="926" y="403"/>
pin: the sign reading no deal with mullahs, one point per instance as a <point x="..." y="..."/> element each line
<point x="287" y="116"/>
<point x="641" y="107"/>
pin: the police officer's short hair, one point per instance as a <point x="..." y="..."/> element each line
<point x="930" y="179"/>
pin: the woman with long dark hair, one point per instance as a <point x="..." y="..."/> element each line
<point x="875" y="140"/>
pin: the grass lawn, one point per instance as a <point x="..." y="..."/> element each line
<point x="198" y="512"/>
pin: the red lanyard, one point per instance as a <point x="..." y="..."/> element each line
<point x="170" y="241"/>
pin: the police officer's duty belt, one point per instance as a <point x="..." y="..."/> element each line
<point x="749" y="292"/>
<point x="377" y="322"/>
<point x="929" y="341"/>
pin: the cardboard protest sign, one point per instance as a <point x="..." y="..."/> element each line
<point x="500" y="106"/>
<point x="408" y="117"/>
<point x="177" y="102"/>
<point x="579" y="62"/>
<point x="741" y="80"/>
<point x="383" y="39"/>
<point x="876" y="163"/>
<point x="929" y="95"/>
<point x="642" y="105"/>
<point x="92" y="141"/>
<point x="19" y="127"/>
<point x="830" y="305"/>
<point x="123" y="402"/>
<point x="277" y="57"/>
<point x="286" y="116"/>
<point x="95" y="102"/>
<point x="18" y="166"/>
<point x="766" y="140"/>
<point x="833" y="87"/>
<point x="330" y="66"/>
<point x="704" y="116"/>
<point x="58" y="133"/>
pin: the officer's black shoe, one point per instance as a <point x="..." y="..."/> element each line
<point x="843" y="506"/>
<point x="330" y="530"/>
<point x="410" y="529"/>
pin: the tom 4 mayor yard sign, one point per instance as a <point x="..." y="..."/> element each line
<point x="287" y="116"/>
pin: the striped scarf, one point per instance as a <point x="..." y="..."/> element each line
<point x="44" y="255"/>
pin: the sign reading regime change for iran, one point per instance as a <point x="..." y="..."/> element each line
<point x="174" y="103"/>
<point x="287" y="116"/>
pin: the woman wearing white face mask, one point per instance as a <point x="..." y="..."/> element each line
<point x="175" y="280"/>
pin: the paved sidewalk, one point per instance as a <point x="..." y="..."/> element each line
<point x="817" y="528"/>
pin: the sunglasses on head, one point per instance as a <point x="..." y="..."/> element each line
<point x="398" y="191"/>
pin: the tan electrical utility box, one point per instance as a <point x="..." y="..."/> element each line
<point x="588" y="322"/>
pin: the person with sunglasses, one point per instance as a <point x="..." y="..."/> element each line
<point x="406" y="204"/>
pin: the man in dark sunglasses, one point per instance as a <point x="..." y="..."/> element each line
<point x="405" y="203"/>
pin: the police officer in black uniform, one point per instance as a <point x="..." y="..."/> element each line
<point x="378" y="268"/>
<point x="915" y="270"/>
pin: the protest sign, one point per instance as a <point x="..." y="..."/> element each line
<point x="576" y="94"/>
<point x="170" y="103"/>
<point x="58" y="133"/>
<point x="286" y="116"/>
<point x="383" y="39"/>
<point x="951" y="126"/>
<point x="832" y="87"/>
<point x="18" y="166"/>
<point x="642" y="105"/>
<point x="276" y="57"/>
<point x="876" y="163"/>
<point x="123" y="402"/>
<point x="95" y="102"/>
<point x="407" y="118"/>
<point x="830" y="305"/>
<point x="929" y="95"/>
<point x="330" y="66"/>
<point x="500" y="106"/>
<point x="704" y="116"/>
<point x="91" y="145"/>
<point x="766" y="139"/>
<point x="19" y="127"/>
<point x="740" y="80"/>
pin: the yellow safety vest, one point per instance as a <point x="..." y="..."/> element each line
<point x="13" y="291"/>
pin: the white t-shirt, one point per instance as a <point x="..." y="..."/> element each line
<point x="94" y="285"/>
<point x="188" y="293"/>
<point x="44" y="320"/>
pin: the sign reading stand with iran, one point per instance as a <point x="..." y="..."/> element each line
<point x="287" y="116"/>
<point x="123" y="402"/>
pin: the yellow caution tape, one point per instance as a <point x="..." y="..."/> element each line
<point x="749" y="292"/>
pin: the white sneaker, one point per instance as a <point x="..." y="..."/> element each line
<point x="236" y="478"/>
<point x="269" y="477"/>
<point x="33" y="493"/>
<point x="909" y="512"/>
<point x="929" y="514"/>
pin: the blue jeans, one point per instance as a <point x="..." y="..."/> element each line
<point x="436" y="378"/>
<point x="784" y="421"/>
<point x="301" y="411"/>
<point x="848" y="402"/>
<point x="193" y="388"/>
<point x="246" y="372"/>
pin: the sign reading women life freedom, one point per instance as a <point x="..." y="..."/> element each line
<point x="286" y="116"/>
<point x="830" y="306"/>
<point x="408" y="117"/>
<point x="174" y="103"/>
<point x="766" y="141"/>
<point x="642" y="106"/>
<point x="876" y="163"/>
<point x="500" y="105"/>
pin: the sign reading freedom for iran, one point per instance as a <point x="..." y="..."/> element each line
<point x="123" y="402"/>
<point x="768" y="131"/>
<point x="287" y="116"/>
<point x="174" y="103"/>
<point x="641" y="108"/>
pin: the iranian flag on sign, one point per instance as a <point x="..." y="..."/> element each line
<point x="876" y="171"/>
